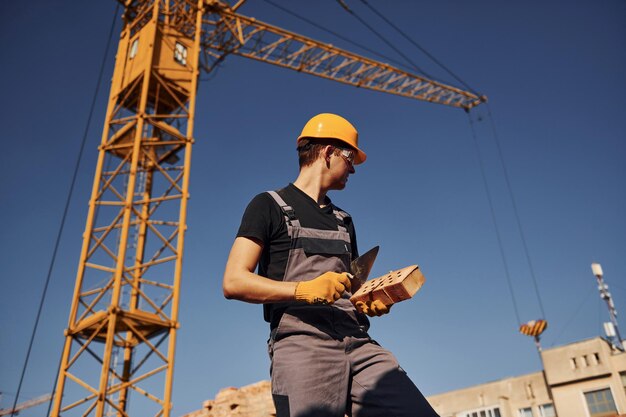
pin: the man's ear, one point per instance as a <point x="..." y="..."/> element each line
<point x="328" y="152"/>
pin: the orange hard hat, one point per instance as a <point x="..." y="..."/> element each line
<point x="332" y="126"/>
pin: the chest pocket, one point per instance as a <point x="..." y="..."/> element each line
<point x="332" y="247"/>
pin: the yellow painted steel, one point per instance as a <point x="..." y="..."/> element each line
<point x="228" y="32"/>
<point x="121" y="333"/>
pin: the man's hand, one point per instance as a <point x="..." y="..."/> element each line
<point x="372" y="308"/>
<point x="325" y="289"/>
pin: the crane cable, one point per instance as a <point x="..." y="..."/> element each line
<point x="493" y="219"/>
<point x="573" y="316"/>
<point x="381" y="37"/>
<point x="338" y="35"/>
<point x="515" y="211"/>
<point x="499" y="149"/>
<point x="481" y="163"/>
<point x="418" y="46"/>
<point x="480" y="159"/>
<point x="63" y="218"/>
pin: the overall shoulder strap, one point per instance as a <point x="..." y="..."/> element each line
<point x="288" y="211"/>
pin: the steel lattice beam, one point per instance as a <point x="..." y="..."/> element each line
<point x="228" y="32"/>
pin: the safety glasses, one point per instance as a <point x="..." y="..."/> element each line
<point x="348" y="155"/>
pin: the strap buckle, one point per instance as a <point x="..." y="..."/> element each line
<point x="290" y="213"/>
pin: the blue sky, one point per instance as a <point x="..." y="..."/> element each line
<point x="554" y="75"/>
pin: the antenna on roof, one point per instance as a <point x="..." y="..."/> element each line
<point x="610" y="328"/>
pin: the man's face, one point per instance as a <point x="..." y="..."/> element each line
<point x="341" y="165"/>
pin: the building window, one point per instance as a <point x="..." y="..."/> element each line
<point x="585" y="361"/>
<point x="597" y="356"/>
<point x="526" y="412"/>
<point x="482" y="412"/>
<point x="180" y="53"/>
<point x="623" y="376"/>
<point x="133" y="48"/>
<point x="600" y="403"/>
<point x="547" y="410"/>
<point x="573" y="363"/>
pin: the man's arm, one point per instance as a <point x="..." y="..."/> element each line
<point x="241" y="283"/>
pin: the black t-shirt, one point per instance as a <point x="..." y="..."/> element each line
<point x="264" y="221"/>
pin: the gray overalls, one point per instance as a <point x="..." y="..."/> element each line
<point x="324" y="364"/>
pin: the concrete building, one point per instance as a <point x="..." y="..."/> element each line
<point x="501" y="398"/>
<point x="582" y="379"/>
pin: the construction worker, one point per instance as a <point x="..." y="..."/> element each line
<point x="323" y="361"/>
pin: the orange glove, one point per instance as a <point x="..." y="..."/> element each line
<point x="325" y="289"/>
<point x="372" y="308"/>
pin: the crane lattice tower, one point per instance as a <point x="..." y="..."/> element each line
<point x="126" y="295"/>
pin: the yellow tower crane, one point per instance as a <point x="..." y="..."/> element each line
<point x="121" y="334"/>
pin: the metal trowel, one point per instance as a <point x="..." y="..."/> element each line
<point x="360" y="267"/>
